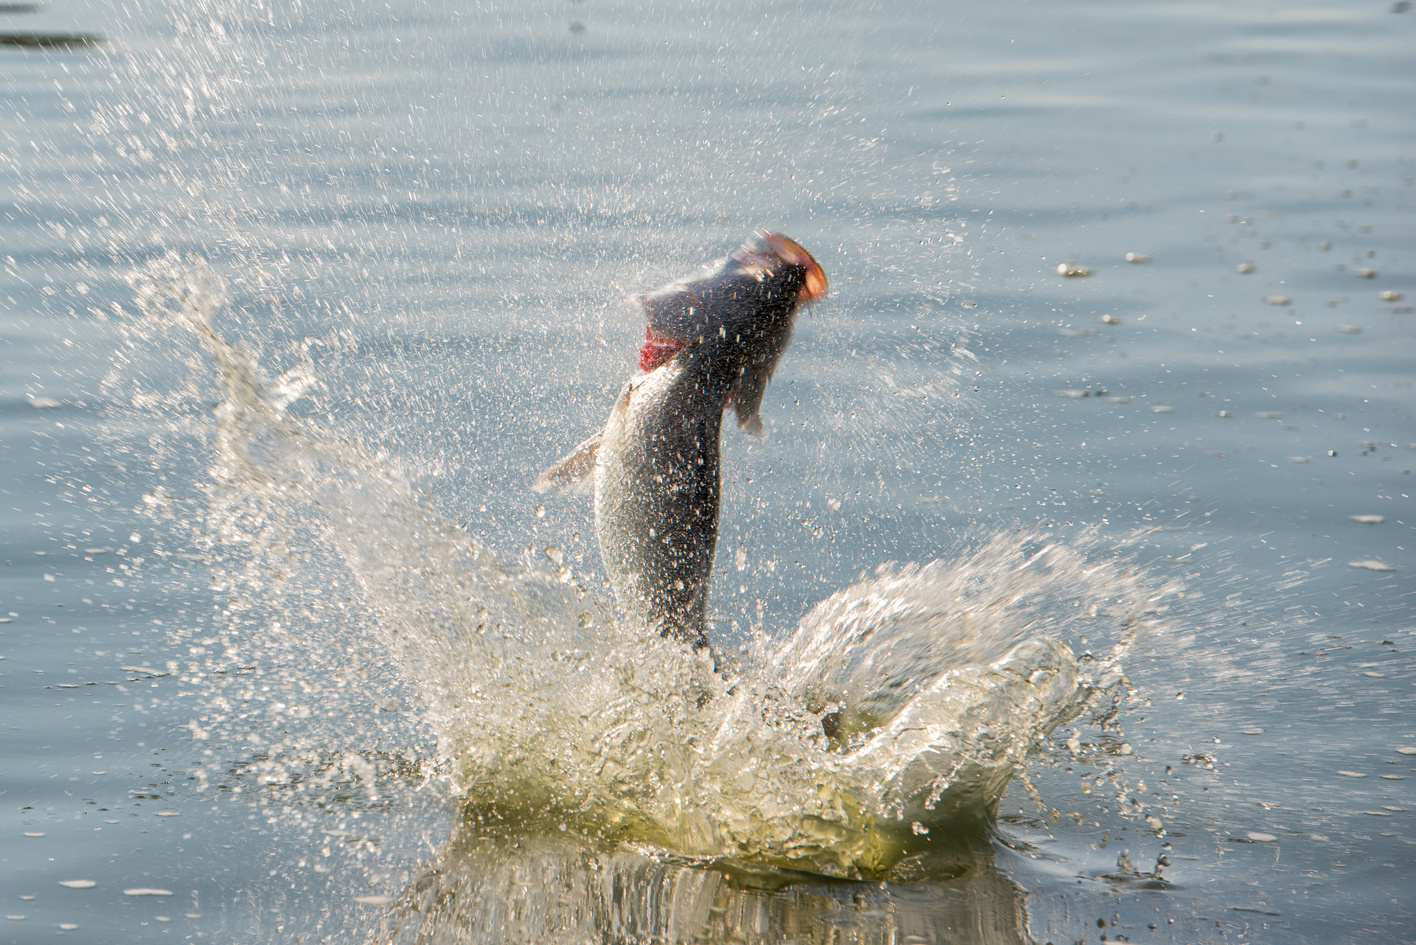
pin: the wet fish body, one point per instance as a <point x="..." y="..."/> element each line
<point x="711" y="342"/>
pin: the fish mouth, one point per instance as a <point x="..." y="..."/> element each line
<point x="765" y="256"/>
<point x="814" y="285"/>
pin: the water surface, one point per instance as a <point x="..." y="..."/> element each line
<point x="234" y="668"/>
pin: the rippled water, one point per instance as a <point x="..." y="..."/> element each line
<point x="299" y="298"/>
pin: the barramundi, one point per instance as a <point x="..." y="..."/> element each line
<point x="711" y="343"/>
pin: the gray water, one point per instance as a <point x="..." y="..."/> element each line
<point x="233" y="553"/>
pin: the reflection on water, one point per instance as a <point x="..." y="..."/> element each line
<point x="490" y="887"/>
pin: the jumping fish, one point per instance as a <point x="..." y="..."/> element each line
<point x="711" y="342"/>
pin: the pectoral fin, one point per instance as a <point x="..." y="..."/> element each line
<point x="573" y="473"/>
<point x="745" y="397"/>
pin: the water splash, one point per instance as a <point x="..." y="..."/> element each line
<point x="938" y="681"/>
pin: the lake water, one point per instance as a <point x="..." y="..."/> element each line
<point x="298" y="297"/>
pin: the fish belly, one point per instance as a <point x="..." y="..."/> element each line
<point x="656" y="500"/>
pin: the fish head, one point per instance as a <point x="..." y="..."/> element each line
<point x="737" y="312"/>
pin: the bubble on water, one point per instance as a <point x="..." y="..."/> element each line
<point x="1368" y="519"/>
<point x="146" y="891"/>
<point x="1259" y="837"/>
<point x="1277" y="300"/>
<point x="1371" y="564"/>
<point x="1350" y="774"/>
<point x="1072" y="270"/>
<point x="1244" y="268"/>
<point x="78" y="883"/>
